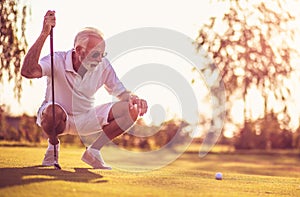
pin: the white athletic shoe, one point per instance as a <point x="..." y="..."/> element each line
<point x="93" y="158"/>
<point x="49" y="155"/>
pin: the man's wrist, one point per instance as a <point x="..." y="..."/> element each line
<point x="43" y="35"/>
<point x="125" y="96"/>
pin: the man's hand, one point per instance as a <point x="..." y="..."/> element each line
<point x="140" y="103"/>
<point x="49" y="22"/>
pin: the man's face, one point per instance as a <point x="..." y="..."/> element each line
<point x="93" y="53"/>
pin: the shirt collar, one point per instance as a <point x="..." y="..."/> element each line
<point x="69" y="62"/>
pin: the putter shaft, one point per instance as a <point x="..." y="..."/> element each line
<point x="56" y="165"/>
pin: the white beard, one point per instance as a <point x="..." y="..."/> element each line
<point x="89" y="65"/>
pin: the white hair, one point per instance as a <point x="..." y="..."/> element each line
<point x="82" y="37"/>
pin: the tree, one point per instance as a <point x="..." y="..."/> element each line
<point x="3" y="124"/>
<point x="296" y="138"/>
<point x="253" y="50"/>
<point x="264" y="133"/>
<point x="13" y="42"/>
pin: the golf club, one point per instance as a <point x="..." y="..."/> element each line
<point x="56" y="165"/>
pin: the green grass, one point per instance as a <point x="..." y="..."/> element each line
<point x="244" y="174"/>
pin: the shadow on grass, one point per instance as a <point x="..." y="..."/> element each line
<point x="37" y="174"/>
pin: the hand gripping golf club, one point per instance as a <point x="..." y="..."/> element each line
<point x="56" y="165"/>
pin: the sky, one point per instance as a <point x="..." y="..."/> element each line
<point x="114" y="17"/>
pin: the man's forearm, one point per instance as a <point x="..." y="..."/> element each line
<point x="30" y="67"/>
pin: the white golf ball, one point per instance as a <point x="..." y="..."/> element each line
<point x="219" y="176"/>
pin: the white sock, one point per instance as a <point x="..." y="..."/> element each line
<point x="51" y="146"/>
<point x="94" y="151"/>
<point x="100" y="141"/>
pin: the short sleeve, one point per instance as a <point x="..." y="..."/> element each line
<point x="45" y="63"/>
<point x="112" y="83"/>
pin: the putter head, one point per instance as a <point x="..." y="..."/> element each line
<point x="57" y="166"/>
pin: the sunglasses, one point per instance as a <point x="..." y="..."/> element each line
<point x="96" y="54"/>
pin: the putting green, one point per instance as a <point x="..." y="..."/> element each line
<point x="252" y="174"/>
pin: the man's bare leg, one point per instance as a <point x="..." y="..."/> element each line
<point x="120" y="118"/>
<point x="47" y="126"/>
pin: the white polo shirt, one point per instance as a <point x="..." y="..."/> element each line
<point x="74" y="93"/>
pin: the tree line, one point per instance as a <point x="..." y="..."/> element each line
<point x="265" y="134"/>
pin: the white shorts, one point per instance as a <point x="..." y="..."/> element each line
<point x="84" y="124"/>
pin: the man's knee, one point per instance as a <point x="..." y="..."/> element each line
<point x="47" y="120"/>
<point x="47" y="115"/>
<point x="130" y="112"/>
<point x="122" y="109"/>
<point x="133" y="113"/>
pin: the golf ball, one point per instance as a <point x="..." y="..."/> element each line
<point x="219" y="176"/>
